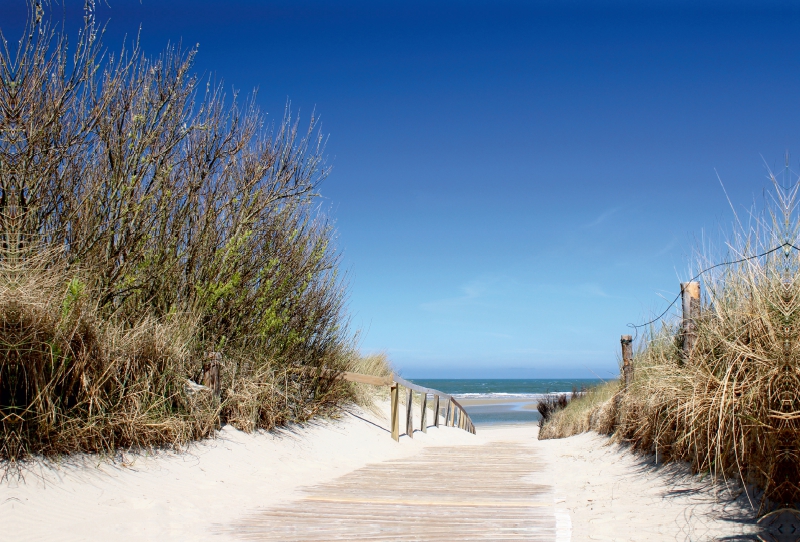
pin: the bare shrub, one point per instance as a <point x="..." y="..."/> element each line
<point x="177" y="223"/>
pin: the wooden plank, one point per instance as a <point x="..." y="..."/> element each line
<point x="436" y="410"/>
<point x="366" y="379"/>
<point x="395" y="421"/>
<point x="419" y="389"/>
<point x="471" y="493"/>
<point x="462" y="410"/>
<point x="410" y="414"/>
<point x="449" y="413"/>
<point x="423" y="422"/>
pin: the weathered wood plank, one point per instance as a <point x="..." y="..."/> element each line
<point x="366" y="379"/>
<point x="423" y="422"/>
<point x="410" y="413"/>
<point x="395" y="416"/>
<point x="496" y="501"/>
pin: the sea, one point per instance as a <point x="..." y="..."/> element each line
<point x="504" y="401"/>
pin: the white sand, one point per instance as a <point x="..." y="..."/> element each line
<point x="601" y="492"/>
<point x="613" y="494"/>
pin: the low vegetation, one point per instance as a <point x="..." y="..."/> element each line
<point x="584" y="411"/>
<point x="145" y="221"/>
<point x="730" y="408"/>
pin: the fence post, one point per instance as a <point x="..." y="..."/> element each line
<point x="690" y="296"/>
<point x="211" y="372"/>
<point x="627" y="358"/>
<point x="423" y="417"/>
<point x="395" y="421"/>
<point x="447" y="415"/>
<point x="410" y="413"/>
<point x="436" y="410"/>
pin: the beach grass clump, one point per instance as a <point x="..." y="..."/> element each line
<point x="731" y="407"/>
<point x="590" y="410"/>
<point x="550" y="405"/>
<point x="147" y="220"/>
<point x="70" y="381"/>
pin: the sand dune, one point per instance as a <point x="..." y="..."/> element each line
<point x="598" y="492"/>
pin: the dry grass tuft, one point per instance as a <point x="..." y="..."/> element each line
<point x="732" y="407"/>
<point x="70" y="381"/>
<point x="592" y="410"/>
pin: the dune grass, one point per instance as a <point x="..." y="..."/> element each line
<point x="732" y="407"/>
<point x="591" y="410"/>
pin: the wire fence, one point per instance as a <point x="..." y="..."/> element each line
<point x="786" y="247"/>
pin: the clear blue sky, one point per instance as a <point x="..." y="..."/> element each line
<point x="513" y="182"/>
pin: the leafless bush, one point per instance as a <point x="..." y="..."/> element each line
<point x="158" y="203"/>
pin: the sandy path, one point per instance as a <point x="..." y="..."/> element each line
<point x="612" y="494"/>
<point x="171" y="496"/>
<point x="598" y="492"/>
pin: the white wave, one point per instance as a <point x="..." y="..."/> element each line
<point x="508" y="396"/>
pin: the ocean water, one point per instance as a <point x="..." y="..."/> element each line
<point x="504" y="401"/>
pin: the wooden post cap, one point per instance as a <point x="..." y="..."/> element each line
<point x="691" y="288"/>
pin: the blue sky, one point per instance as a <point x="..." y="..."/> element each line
<point x="513" y="182"/>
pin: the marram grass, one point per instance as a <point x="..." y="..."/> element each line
<point x="732" y="407"/>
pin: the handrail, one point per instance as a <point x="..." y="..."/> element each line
<point x="456" y="415"/>
<point x="421" y="389"/>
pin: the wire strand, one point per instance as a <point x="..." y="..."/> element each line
<point x="783" y="246"/>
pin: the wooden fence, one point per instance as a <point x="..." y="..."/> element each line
<point x="690" y="302"/>
<point x="455" y="415"/>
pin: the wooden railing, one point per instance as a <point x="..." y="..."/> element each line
<point x="455" y="416"/>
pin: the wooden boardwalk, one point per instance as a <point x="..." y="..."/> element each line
<point x="480" y="492"/>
